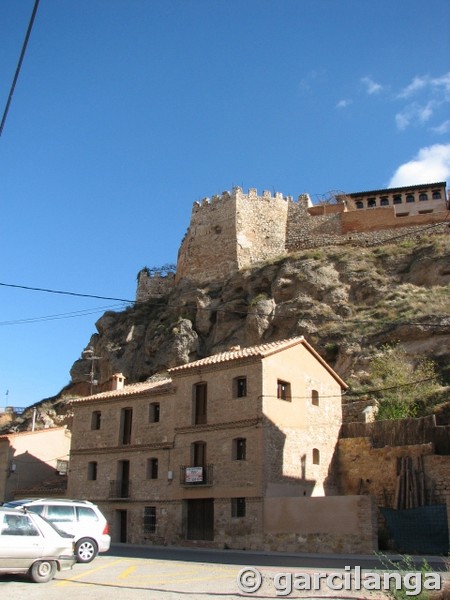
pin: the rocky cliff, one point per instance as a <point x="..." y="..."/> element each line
<point x="346" y="301"/>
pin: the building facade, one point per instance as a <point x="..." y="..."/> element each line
<point x="206" y="455"/>
<point x="34" y="463"/>
<point x="407" y="201"/>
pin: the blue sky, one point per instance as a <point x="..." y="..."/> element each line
<point x="128" y="111"/>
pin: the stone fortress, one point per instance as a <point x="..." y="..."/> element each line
<point x="235" y="230"/>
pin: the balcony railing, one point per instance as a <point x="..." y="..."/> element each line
<point x="193" y="476"/>
<point x="120" y="488"/>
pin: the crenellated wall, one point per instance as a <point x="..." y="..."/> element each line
<point x="234" y="230"/>
<point x="231" y="232"/>
<point x="153" y="285"/>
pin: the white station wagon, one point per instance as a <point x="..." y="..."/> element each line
<point x="31" y="545"/>
<point x="80" y="518"/>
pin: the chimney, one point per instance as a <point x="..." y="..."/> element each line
<point x="117" y="381"/>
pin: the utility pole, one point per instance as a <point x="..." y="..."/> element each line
<point x="88" y="354"/>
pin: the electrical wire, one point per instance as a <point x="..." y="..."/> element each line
<point x="65" y="293"/>
<point x="19" y="66"/>
<point x="78" y="313"/>
<point x="224" y="310"/>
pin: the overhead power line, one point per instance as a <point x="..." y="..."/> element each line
<point x="220" y="309"/>
<point x="19" y="65"/>
<point x="64" y="293"/>
<point x="70" y="315"/>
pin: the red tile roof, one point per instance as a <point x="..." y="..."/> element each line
<point x="133" y="389"/>
<point x="259" y="351"/>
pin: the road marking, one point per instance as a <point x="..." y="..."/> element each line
<point x="64" y="582"/>
<point x="127" y="572"/>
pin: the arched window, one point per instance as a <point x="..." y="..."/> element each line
<point x="436" y="194"/>
<point x="397" y="199"/>
<point x="316" y="456"/>
<point x="384" y="201"/>
<point x="371" y="203"/>
<point x="423" y="197"/>
<point x="359" y="204"/>
<point x="410" y="198"/>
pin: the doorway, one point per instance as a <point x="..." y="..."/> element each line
<point x="200" y="519"/>
<point x="121" y="525"/>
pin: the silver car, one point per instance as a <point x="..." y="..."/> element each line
<point x="80" y="518"/>
<point x="31" y="545"/>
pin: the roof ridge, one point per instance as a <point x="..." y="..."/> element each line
<point x="126" y="390"/>
<point x="248" y="351"/>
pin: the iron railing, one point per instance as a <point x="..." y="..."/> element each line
<point x="120" y="488"/>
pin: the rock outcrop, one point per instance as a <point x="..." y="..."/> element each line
<point x="347" y="301"/>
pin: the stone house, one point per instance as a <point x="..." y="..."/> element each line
<point x="234" y="450"/>
<point x="34" y="463"/>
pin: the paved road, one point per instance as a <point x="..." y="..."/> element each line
<point x="152" y="573"/>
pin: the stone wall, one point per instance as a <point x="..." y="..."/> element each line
<point x="335" y="524"/>
<point x="209" y="249"/>
<point x="235" y="230"/>
<point x="231" y="232"/>
<point x="385" y="218"/>
<point x="153" y="285"/>
<point x="364" y="469"/>
<point x="260" y="226"/>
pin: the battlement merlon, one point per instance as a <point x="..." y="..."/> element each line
<point x="238" y="194"/>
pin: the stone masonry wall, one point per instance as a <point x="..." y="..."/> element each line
<point x="235" y="230"/>
<point x="209" y="247"/>
<point x="231" y="232"/>
<point x="153" y="285"/>
<point x="367" y="470"/>
<point x="260" y="226"/>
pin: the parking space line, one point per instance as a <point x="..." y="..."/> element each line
<point x="127" y="572"/>
<point x="66" y="581"/>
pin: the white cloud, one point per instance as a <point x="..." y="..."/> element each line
<point x="418" y="83"/>
<point x="415" y="114"/>
<point x="371" y="86"/>
<point x="442" y="128"/>
<point x="430" y="165"/>
<point x="443" y="83"/>
<point x="433" y="94"/>
<point x="343" y="103"/>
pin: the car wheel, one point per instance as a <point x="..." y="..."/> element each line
<point x="85" y="550"/>
<point x="42" y="571"/>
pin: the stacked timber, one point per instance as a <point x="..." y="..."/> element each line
<point x="410" y="488"/>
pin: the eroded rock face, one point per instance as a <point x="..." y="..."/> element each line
<point x="346" y="301"/>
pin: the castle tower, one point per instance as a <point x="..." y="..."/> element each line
<point x="230" y="232"/>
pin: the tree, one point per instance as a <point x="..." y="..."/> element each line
<point x="401" y="386"/>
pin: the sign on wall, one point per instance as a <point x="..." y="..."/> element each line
<point x="194" y="474"/>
